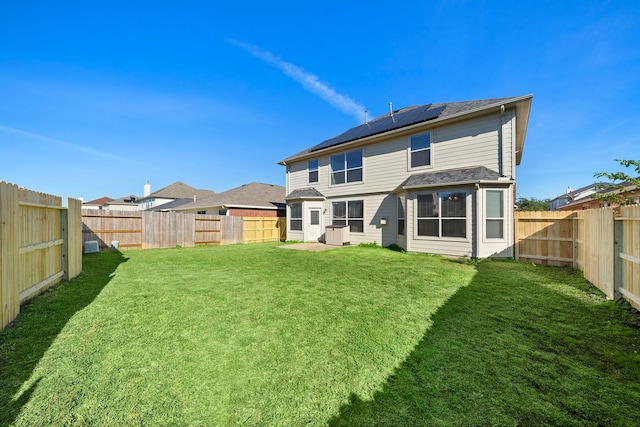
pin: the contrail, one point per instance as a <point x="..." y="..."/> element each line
<point x="64" y="144"/>
<point x="309" y="81"/>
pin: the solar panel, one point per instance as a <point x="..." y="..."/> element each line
<point x="386" y="123"/>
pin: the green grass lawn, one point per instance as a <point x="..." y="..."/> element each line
<point x="257" y="335"/>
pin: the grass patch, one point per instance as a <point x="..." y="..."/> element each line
<point x="255" y="335"/>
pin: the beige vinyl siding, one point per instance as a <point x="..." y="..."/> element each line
<point x="297" y="176"/>
<point x="443" y="246"/>
<point x="376" y="207"/>
<point x="466" y="144"/>
<point x="508" y="138"/>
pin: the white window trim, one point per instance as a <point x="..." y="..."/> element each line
<point x="505" y="204"/>
<point x="401" y="203"/>
<point x="431" y="157"/>
<point x="347" y="213"/>
<point x="467" y="218"/>
<point x="292" y="218"/>
<point x="317" y="170"/>
<point x="344" y="153"/>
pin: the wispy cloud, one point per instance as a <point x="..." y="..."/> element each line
<point x="309" y="81"/>
<point x="65" y="145"/>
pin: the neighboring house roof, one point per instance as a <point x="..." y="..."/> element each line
<point x="305" y="193"/>
<point x="582" y="192"/>
<point x="178" y="190"/>
<point x="627" y="189"/>
<point x="126" y="200"/>
<point x="254" y="195"/>
<point x="169" y="206"/>
<point x="473" y="175"/>
<point x="101" y="201"/>
<point x="420" y="114"/>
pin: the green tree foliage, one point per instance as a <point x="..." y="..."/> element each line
<point x="623" y="188"/>
<point x="533" y="204"/>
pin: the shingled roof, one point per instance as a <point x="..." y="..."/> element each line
<point x="418" y="114"/>
<point x="179" y="190"/>
<point x="305" y="193"/>
<point x="452" y="177"/>
<point x="254" y="195"/>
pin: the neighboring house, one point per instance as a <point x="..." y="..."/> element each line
<point x="126" y="203"/>
<point x="171" y="206"/>
<point x="573" y="195"/>
<point x="97" y="204"/>
<point x="255" y="199"/>
<point x="587" y="201"/>
<point x="435" y="178"/>
<point x="170" y="193"/>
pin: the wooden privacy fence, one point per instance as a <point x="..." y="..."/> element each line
<point x="147" y="230"/>
<point x="267" y="229"/>
<point x="605" y="246"/>
<point x="40" y="245"/>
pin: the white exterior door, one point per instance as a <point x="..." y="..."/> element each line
<point x="314" y="227"/>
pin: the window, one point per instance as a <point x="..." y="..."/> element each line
<point x="421" y="150"/>
<point x="295" y="221"/>
<point x="312" y="165"/>
<point x="202" y="212"/>
<point x="315" y="217"/>
<point x="495" y="214"/>
<point x="346" y="167"/>
<point x="349" y="213"/>
<point x="442" y="214"/>
<point x="400" y="217"/>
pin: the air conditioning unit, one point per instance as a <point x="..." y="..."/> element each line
<point x="91" y="247"/>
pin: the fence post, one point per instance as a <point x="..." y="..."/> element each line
<point x="9" y="242"/>
<point x="517" y="236"/>
<point x="64" y="248"/>
<point x="575" y="241"/>
<point x="618" y="241"/>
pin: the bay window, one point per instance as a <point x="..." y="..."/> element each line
<point x="295" y="217"/>
<point x="494" y="203"/>
<point x="442" y="214"/>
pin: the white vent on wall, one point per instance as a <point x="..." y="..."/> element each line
<point x="91" y="246"/>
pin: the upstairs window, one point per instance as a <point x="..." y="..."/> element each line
<point x="442" y="214"/>
<point x="295" y="220"/>
<point x="346" y="167"/>
<point x="312" y="166"/>
<point x="421" y="150"/>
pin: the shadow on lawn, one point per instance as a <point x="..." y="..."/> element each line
<point x="511" y="349"/>
<point x="27" y="338"/>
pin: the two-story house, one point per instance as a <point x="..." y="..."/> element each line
<point x="434" y="178"/>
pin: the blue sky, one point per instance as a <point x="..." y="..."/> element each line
<point x="98" y="97"/>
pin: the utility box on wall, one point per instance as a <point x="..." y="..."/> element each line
<point x="337" y="235"/>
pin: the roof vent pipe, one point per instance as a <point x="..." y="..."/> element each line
<point x="365" y="117"/>
<point x="391" y="112"/>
